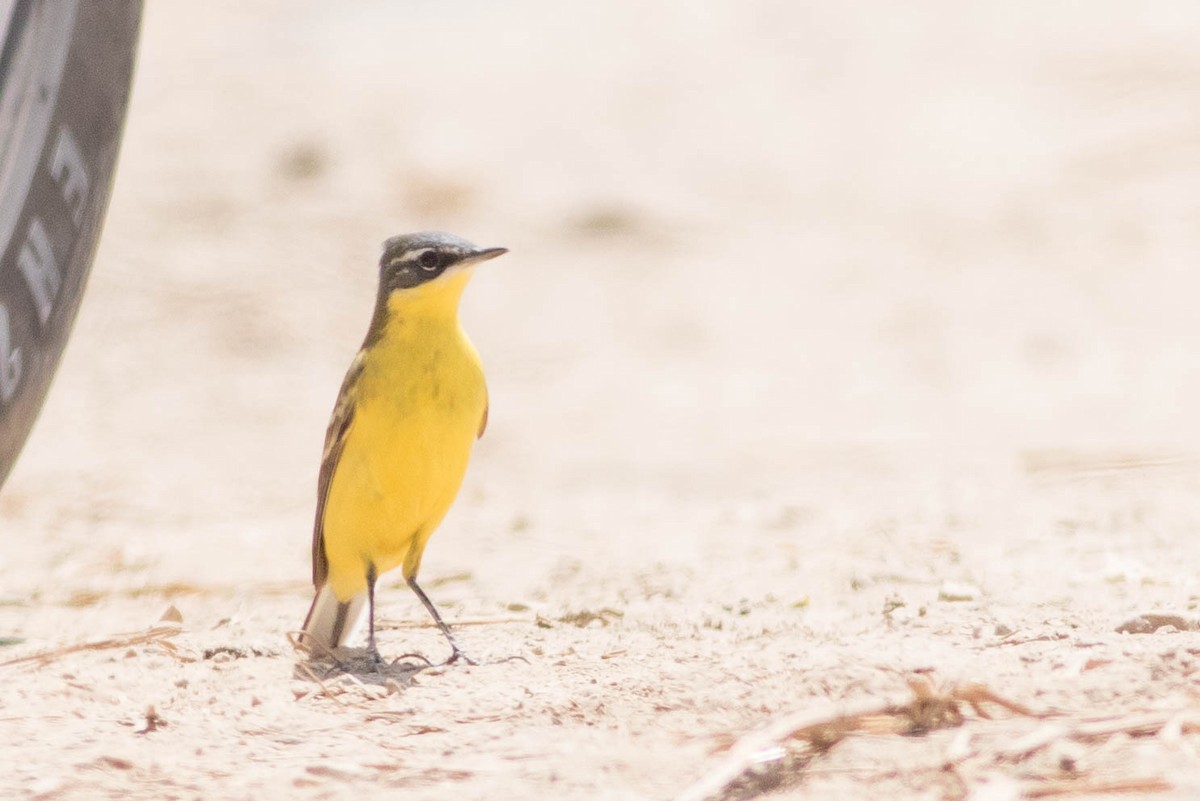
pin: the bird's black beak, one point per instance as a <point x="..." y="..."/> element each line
<point x="483" y="254"/>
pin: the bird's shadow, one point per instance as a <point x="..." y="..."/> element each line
<point x="362" y="666"/>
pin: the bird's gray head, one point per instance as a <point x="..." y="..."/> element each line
<point x="410" y="260"/>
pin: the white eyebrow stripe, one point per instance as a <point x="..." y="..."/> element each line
<point x="409" y="256"/>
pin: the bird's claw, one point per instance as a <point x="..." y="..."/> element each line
<point x="458" y="656"/>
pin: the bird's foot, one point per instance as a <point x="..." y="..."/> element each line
<point x="459" y="655"/>
<point x="375" y="657"/>
<point x="420" y="657"/>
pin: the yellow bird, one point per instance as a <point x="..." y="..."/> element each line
<point x="410" y="409"/>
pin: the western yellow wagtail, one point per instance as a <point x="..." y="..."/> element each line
<point x="410" y="409"/>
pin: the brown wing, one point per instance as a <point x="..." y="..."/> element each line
<point x="335" y="441"/>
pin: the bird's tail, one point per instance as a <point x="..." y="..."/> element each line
<point x="330" y="622"/>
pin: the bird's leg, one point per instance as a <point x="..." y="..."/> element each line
<point x="372" y="650"/>
<point x="457" y="651"/>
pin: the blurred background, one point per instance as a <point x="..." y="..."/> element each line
<point x="752" y="244"/>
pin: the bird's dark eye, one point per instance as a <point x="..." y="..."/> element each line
<point x="430" y="260"/>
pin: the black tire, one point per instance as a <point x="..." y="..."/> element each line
<point x="65" y="69"/>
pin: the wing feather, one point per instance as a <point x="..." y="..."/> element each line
<point x="335" y="441"/>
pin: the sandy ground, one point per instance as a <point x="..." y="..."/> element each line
<point x="836" y="347"/>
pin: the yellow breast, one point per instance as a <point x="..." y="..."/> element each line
<point x="420" y="400"/>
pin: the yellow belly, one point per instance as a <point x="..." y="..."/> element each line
<point x="421" y="399"/>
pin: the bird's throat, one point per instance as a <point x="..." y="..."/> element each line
<point x="430" y="305"/>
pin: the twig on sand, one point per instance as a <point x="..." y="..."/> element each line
<point x="767" y="758"/>
<point x="782" y="751"/>
<point x="457" y="623"/>
<point x="169" y="625"/>
<point x="1059" y="789"/>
